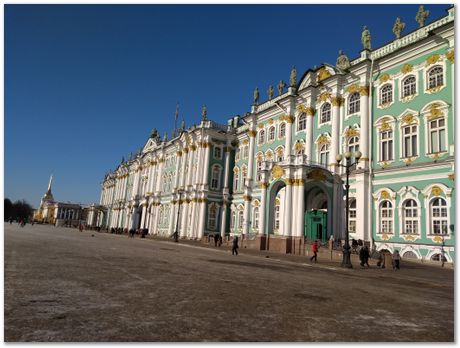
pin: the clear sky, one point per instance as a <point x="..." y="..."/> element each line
<point x="85" y="84"/>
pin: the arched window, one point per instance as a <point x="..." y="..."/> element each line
<point x="352" y="217"/>
<point x="233" y="220"/>
<point x="271" y="133"/>
<point x="302" y="122"/>
<point x="409" y="143"/>
<point x="244" y="175"/>
<point x="325" y="113"/>
<point x="277" y="216"/>
<point x="437" y="135"/>
<point x="259" y="170"/>
<point x="324" y="154"/>
<point x="279" y="154"/>
<point x="435" y="77"/>
<point x="246" y="152"/>
<point x="409" y="85"/>
<point x="217" y="152"/>
<point x="410" y="217"/>
<point x="256" y="217"/>
<point x="282" y="130"/>
<point x="236" y="177"/>
<point x="386" y="94"/>
<point x="261" y="136"/>
<point x="215" y="178"/>
<point x="353" y="146"/>
<point x="212" y="217"/>
<point x="386" y="217"/>
<point x="438" y="212"/>
<point x="386" y="145"/>
<point x="240" y="219"/>
<point x="354" y="103"/>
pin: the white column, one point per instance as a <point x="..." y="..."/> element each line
<point x="192" y="204"/>
<point x="178" y="167"/>
<point x="223" y="221"/>
<point x="335" y="141"/>
<point x="144" y="209"/>
<point x="288" y="209"/>
<point x="183" y="218"/>
<point x="227" y="165"/>
<point x="155" y="219"/>
<point x="184" y="163"/>
<point x="159" y="176"/>
<point x="263" y="206"/>
<point x="247" y="207"/>
<point x="206" y="164"/>
<point x="201" y="222"/>
<point x="300" y="208"/>
<point x="309" y="135"/>
<point x="171" y="218"/>
<point x="190" y="168"/>
<point x="364" y="133"/>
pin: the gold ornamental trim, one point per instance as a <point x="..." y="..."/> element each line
<point x="260" y="125"/>
<point x="185" y="150"/>
<point x="277" y="172"/>
<point x="451" y="176"/>
<point x="407" y="68"/>
<point x="270" y="121"/>
<point x="247" y="198"/>
<point x="252" y="133"/>
<point x="351" y="132"/>
<point x="179" y="153"/>
<point x="450" y="56"/>
<point x="385" y="236"/>
<point x="384" y="195"/>
<point x="323" y="74"/>
<point x="364" y="91"/>
<point x="323" y="140"/>
<point x="193" y="147"/>
<point x="437" y="239"/>
<point x="337" y="101"/>
<point x="432" y="59"/>
<point x="263" y="185"/>
<point x="289" y="182"/>
<point x="353" y="88"/>
<point x="384" y="78"/>
<point x="269" y="155"/>
<point x="407" y="119"/>
<point x="245" y="141"/>
<point x="299" y="146"/>
<point x="434" y="112"/>
<point x="325" y="96"/>
<point x="227" y="149"/>
<point x="384" y="126"/>
<point x="409" y="238"/>
<point x="287" y="118"/>
<point x="436" y="191"/>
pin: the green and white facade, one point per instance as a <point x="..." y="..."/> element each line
<point x="273" y="171"/>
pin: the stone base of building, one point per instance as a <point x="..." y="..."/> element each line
<point x="279" y="244"/>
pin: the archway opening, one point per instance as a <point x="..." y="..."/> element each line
<point x="316" y="214"/>
<point x="276" y="212"/>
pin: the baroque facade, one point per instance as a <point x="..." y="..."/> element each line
<point x="273" y="171"/>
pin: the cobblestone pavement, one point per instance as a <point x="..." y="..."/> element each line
<point x="62" y="285"/>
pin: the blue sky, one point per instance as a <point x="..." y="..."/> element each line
<point x="85" y="84"/>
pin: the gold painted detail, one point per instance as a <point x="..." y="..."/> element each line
<point x="263" y="185"/>
<point x="269" y="155"/>
<point x="317" y="175"/>
<point x="323" y="140"/>
<point x="407" y="68"/>
<point x="280" y="151"/>
<point x="179" y="153"/>
<point x="437" y="239"/>
<point x="384" y="78"/>
<point x="287" y="118"/>
<point x="384" y="195"/>
<point x="384" y="126"/>
<point x="436" y="191"/>
<point x="256" y="204"/>
<point x="277" y="172"/>
<point x="351" y="132"/>
<point x="289" y="182"/>
<point x="409" y="237"/>
<point x="193" y="147"/>
<point x="364" y="91"/>
<point x="299" y="146"/>
<point x="337" y="101"/>
<point x="450" y="56"/>
<point x="252" y="133"/>
<point x="228" y="149"/>
<point x="270" y="121"/>
<point x="353" y="88"/>
<point x="325" y="96"/>
<point x="247" y="198"/>
<point x="407" y="119"/>
<point x="385" y="236"/>
<point x="432" y="59"/>
<point x="245" y="141"/>
<point x="323" y="74"/>
<point x="434" y="112"/>
<point x="260" y="157"/>
<point x="260" y="126"/>
<point x="302" y="108"/>
<point x="185" y="150"/>
<point x="451" y="176"/>
<point x="435" y="89"/>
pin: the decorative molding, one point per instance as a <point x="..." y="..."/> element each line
<point x="384" y="78"/>
<point x="252" y="133"/>
<point x="437" y="239"/>
<point x="434" y="112"/>
<point x="260" y="126"/>
<point x="247" y="198"/>
<point x="451" y="176"/>
<point x="245" y="141"/>
<point x="432" y="59"/>
<point x="436" y="191"/>
<point x="407" y="119"/>
<point x="277" y="172"/>
<point x="337" y="101"/>
<point x="270" y="121"/>
<point x="384" y="126"/>
<point x="325" y="96"/>
<point x="323" y="139"/>
<point x="323" y="74"/>
<point x="384" y="195"/>
<point x="299" y="146"/>
<point x="351" y="132"/>
<point x="263" y="185"/>
<point x="407" y="68"/>
<point x="289" y="182"/>
<point x="409" y="238"/>
<point x="450" y="56"/>
<point x="179" y="153"/>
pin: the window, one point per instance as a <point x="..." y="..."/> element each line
<point x="302" y="122"/>
<point x="259" y="170"/>
<point x="409" y="143"/>
<point x="212" y="217"/>
<point x="244" y="172"/>
<point x="324" y="155"/>
<point x="409" y="86"/>
<point x="435" y="77"/>
<point x="437" y="133"/>
<point x="271" y="134"/>
<point x="261" y="137"/>
<point x="256" y="217"/>
<point x="352" y="217"/>
<point x="246" y="152"/>
<point x="438" y="216"/>
<point x="353" y="146"/>
<point x="282" y="130"/>
<point x="279" y="154"/>
<point x="277" y="216"/>
<point x="233" y="220"/>
<point x="240" y="219"/>
<point x="386" y="94"/>
<point x="215" y="176"/>
<point x="237" y="154"/>
<point x="354" y="103"/>
<point x="217" y="152"/>
<point x="410" y="216"/>
<point x="386" y="145"/>
<point x="386" y="217"/>
<point x="236" y="176"/>
<point x="325" y="113"/>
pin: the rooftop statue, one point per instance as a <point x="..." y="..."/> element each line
<point x="204" y="112"/>
<point x="366" y="38"/>
<point x="281" y="86"/>
<point x="154" y="133"/>
<point x="421" y="16"/>
<point x="182" y="125"/>
<point x="123" y="159"/>
<point x="343" y="63"/>
<point x="130" y="156"/>
<point x="293" y="78"/>
<point x="256" y="96"/>
<point x="398" y="27"/>
<point x="270" y="92"/>
<point x="165" y="138"/>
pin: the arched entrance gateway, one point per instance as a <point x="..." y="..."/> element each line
<point x="303" y="202"/>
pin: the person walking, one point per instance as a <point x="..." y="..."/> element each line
<point x="235" y="245"/>
<point x="396" y="259"/>
<point x="364" y="256"/>
<point x="381" y="261"/>
<point x="314" y="248"/>
<point x="216" y="239"/>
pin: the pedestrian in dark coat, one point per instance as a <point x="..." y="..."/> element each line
<point x="396" y="258"/>
<point x="314" y="248"/>
<point x="235" y="245"/>
<point x="364" y="256"/>
<point x="216" y="239"/>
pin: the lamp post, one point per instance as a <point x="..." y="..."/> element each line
<point x="176" y="233"/>
<point x="346" y="261"/>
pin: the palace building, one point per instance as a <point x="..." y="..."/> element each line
<point x="273" y="172"/>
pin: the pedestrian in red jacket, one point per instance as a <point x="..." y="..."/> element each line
<point x="314" y="248"/>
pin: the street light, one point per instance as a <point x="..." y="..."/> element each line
<point x="176" y="233"/>
<point x="346" y="261"/>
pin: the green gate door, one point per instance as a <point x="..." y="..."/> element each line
<point x="316" y="225"/>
